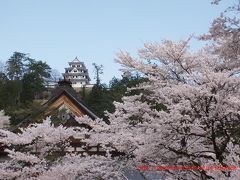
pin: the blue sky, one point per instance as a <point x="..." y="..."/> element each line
<point x="56" y="31"/>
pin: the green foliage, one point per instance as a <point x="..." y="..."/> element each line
<point x="23" y="80"/>
<point x="118" y="87"/>
<point x="3" y="77"/>
<point x="17" y="114"/>
<point x="10" y="93"/>
<point x="15" y="66"/>
<point x="27" y="94"/>
<point x="101" y="98"/>
<point x="38" y="68"/>
<point x="33" y="80"/>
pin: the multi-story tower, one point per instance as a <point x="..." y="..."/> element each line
<point x="77" y="73"/>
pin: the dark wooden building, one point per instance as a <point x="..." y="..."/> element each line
<point x="63" y="107"/>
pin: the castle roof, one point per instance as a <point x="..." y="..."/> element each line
<point x="76" y="61"/>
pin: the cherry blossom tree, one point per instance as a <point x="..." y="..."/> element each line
<point x="224" y="34"/>
<point x="41" y="153"/>
<point x="187" y="113"/>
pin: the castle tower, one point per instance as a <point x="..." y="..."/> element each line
<point x="77" y="73"/>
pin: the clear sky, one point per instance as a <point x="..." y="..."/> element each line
<point x="56" y="31"/>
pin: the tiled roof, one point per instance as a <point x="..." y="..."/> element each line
<point x="64" y="88"/>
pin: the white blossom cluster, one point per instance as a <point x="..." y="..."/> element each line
<point x="34" y="156"/>
<point x="187" y="114"/>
